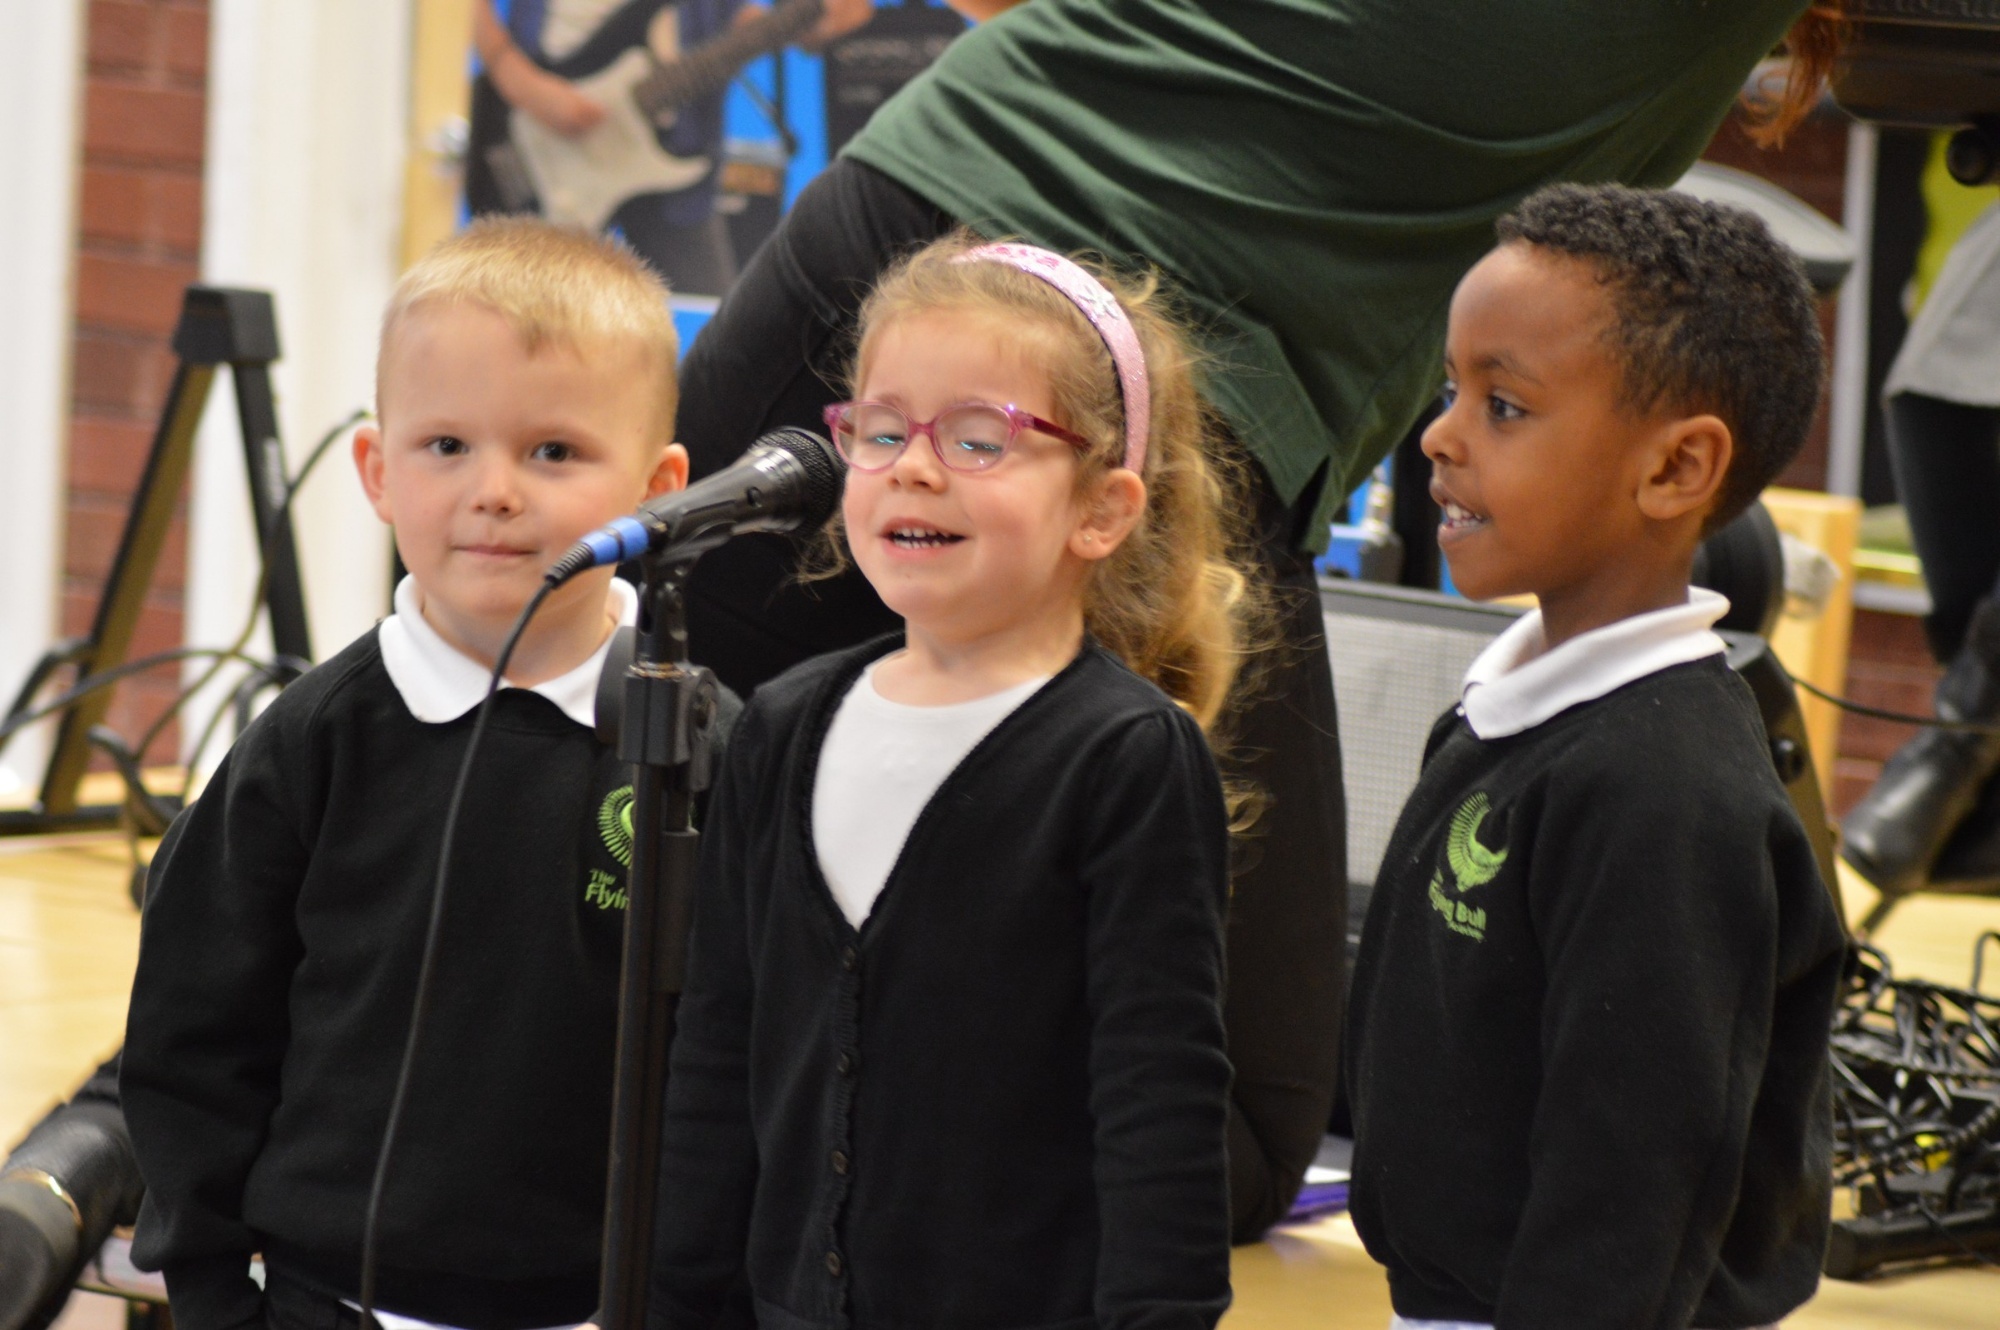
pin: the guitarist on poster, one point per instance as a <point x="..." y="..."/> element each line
<point x="608" y="113"/>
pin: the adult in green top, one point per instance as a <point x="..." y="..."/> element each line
<point x="1313" y="176"/>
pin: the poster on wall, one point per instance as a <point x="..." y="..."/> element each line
<point x="686" y="126"/>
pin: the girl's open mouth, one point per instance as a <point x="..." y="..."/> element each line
<point x="921" y="538"/>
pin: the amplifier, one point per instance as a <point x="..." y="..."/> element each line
<point x="1920" y="62"/>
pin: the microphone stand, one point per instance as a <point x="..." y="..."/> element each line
<point x="666" y="716"/>
<point x="666" y="721"/>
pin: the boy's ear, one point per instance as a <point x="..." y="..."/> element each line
<point x="370" y="462"/>
<point x="1109" y="515"/>
<point x="671" y="474"/>
<point x="1690" y="459"/>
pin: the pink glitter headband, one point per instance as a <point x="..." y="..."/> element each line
<point x="1106" y="315"/>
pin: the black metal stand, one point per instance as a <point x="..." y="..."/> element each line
<point x="665" y="718"/>
<point x="218" y="326"/>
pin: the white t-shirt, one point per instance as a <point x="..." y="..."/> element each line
<point x="881" y="763"/>
<point x="568" y="24"/>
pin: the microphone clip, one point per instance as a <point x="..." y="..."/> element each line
<point x="672" y="704"/>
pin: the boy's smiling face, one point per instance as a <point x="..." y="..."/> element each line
<point x="1547" y="477"/>
<point x="490" y="461"/>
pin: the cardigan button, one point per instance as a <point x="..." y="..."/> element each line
<point x="833" y="1264"/>
<point x="850" y="959"/>
<point x="846" y="1064"/>
<point x="840" y="1162"/>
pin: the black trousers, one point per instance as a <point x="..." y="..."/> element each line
<point x="1947" y="462"/>
<point x="777" y="351"/>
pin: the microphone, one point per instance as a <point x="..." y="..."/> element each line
<point x="788" y="479"/>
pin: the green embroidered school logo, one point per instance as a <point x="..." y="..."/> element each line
<point x="614" y="823"/>
<point x="1472" y="865"/>
<point x="603" y="891"/>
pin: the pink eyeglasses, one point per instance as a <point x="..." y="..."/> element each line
<point x="972" y="436"/>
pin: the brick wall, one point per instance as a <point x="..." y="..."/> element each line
<point x="1889" y="665"/>
<point x="138" y="244"/>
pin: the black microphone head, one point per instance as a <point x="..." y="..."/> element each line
<point x="786" y="480"/>
<point x="822" y="474"/>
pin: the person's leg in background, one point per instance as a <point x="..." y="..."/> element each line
<point x="1287" y="941"/>
<point x="695" y="259"/>
<point x="1947" y="461"/>
<point x="1415" y="515"/>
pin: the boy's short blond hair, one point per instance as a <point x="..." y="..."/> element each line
<point x="557" y="286"/>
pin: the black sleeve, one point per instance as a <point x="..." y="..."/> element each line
<point x="206" y="1034"/>
<point x="1156" y="870"/>
<point x="1657" y="909"/>
<point x="708" y="1151"/>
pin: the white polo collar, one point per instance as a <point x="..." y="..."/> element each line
<point x="1516" y="684"/>
<point x="440" y="683"/>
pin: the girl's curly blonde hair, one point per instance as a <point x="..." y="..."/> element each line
<point x="1177" y="601"/>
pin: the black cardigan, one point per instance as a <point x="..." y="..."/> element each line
<point x="1587" y="1049"/>
<point x="1001" y="1102"/>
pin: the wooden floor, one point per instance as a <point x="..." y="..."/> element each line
<point x="69" y="940"/>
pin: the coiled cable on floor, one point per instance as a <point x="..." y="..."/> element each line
<point x="1916" y="1089"/>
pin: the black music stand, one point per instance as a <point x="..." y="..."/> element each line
<point x="218" y="326"/>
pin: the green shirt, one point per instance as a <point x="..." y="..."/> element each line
<point x="1315" y="175"/>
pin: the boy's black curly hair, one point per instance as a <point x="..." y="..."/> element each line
<point x="1710" y="314"/>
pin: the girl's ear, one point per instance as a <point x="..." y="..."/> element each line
<point x="1108" y="514"/>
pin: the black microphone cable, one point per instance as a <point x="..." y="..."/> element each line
<point x="131" y="761"/>
<point x="1882" y="713"/>
<point x="426" y="967"/>
<point x="280" y="512"/>
<point x="118" y="673"/>
<point x="90" y="683"/>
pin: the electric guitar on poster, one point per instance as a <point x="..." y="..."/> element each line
<point x="584" y="179"/>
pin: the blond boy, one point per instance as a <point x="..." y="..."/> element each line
<point x="526" y="395"/>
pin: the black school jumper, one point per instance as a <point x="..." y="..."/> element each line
<point x="284" y="918"/>
<point x="1002" y="1101"/>
<point x="1588" y="1049"/>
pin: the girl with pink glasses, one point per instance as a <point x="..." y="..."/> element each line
<point x="951" y="1051"/>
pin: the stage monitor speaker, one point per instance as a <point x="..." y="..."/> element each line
<point x="1399" y="656"/>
